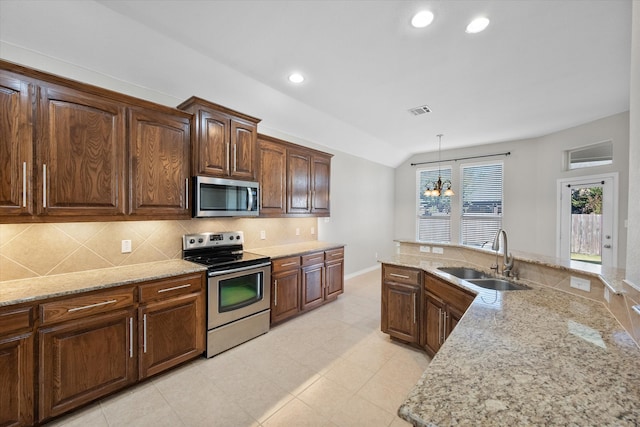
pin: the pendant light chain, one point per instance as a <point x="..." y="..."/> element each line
<point x="435" y="189"/>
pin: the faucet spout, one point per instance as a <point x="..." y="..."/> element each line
<point x="507" y="260"/>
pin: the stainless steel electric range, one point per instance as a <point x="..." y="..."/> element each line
<point x="238" y="288"/>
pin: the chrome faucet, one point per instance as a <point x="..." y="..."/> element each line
<point x="507" y="261"/>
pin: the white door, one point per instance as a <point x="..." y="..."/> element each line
<point x="588" y="219"/>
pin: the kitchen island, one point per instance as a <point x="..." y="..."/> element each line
<point x="531" y="357"/>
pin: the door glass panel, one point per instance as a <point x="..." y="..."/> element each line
<point x="239" y="292"/>
<point x="586" y="224"/>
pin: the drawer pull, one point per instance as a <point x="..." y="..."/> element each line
<point x="315" y="258"/>
<point x="174" y="288"/>
<point x="337" y="254"/>
<point x="86" y="307"/>
<point x="288" y="264"/>
<point x="402" y="276"/>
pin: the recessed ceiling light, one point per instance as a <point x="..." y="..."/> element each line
<point x="477" y="25"/>
<point x="422" y="19"/>
<point x="296" y="78"/>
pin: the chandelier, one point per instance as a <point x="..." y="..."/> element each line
<point x="440" y="187"/>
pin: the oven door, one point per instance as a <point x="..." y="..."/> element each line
<point x="237" y="294"/>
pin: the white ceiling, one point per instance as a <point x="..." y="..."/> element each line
<point x="541" y="66"/>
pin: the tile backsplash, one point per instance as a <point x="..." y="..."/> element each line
<point x="32" y="250"/>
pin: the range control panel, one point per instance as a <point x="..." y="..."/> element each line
<point x="209" y="240"/>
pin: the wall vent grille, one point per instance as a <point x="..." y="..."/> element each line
<point x="423" y="109"/>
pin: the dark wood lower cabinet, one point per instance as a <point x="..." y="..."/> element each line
<point x="312" y="286"/>
<point x="434" y="332"/>
<point x="82" y="360"/>
<point x="16" y="380"/>
<point x="171" y="333"/>
<point x="285" y="295"/>
<point x="401" y="303"/>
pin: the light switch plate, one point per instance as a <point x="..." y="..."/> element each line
<point x="263" y="235"/>
<point x="126" y="246"/>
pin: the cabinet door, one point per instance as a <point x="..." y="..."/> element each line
<point x="16" y="146"/>
<point x="299" y="182"/>
<point x="211" y="151"/>
<point x="81" y="160"/>
<point x="171" y="332"/>
<point x="320" y="177"/>
<point x="82" y="360"/>
<point x="334" y="278"/>
<point x="16" y="380"/>
<point x="400" y="303"/>
<point x="434" y="323"/>
<point x="285" y="295"/>
<point x="312" y="286"/>
<point x="159" y="156"/>
<point x="272" y="175"/>
<point x="243" y="150"/>
<point x="453" y="317"/>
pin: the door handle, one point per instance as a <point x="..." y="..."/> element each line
<point x="607" y="246"/>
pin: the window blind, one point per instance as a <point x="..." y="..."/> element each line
<point x="434" y="213"/>
<point x="482" y="193"/>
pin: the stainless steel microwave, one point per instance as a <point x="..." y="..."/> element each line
<point x="217" y="197"/>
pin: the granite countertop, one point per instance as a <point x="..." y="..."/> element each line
<point x="295" y="249"/>
<point x="35" y="289"/>
<point x="532" y="357"/>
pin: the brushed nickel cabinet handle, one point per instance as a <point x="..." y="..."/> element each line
<point x="275" y="294"/>
<point x="24" y="184"/>
<point x="144" y="333"/>
<point x="337" y="254"/>
<point x="402" y="276"/>
<point x="130" y="337"/>
<point x="44" y="185"/>
<point x="288" y="264"/>
<point x="414" y="308"/>
<point x="186" y="193"/>
<point x="85" y="307"/>
<point x="174" y="288"/>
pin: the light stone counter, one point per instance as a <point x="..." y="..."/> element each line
<point x="295" y="249"/>
<point x="533" y="357"/>
<point x="35" y="289"/>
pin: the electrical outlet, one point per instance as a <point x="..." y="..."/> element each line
<point x="607" y="297"/>
<point x="263" y="235"/>
<point x="582" y="284"/>
<point x="126" y="246"/>
<point x="313" y="231"/>
<point x="425" y="249"/>
<point x="437" y="250"/>
<point x="297" y="231"/>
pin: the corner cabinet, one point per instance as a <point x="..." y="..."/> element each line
<point x="294" y="180"/>
<point x="159" y="164"/>
<point x="224" y="143"/>
<point x="17" y="366"/>
<point x="444" y="306"/>
<point x="401" y="315"/>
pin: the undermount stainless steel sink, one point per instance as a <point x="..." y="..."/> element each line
<point x="465" y="273"/>
<point x="498" y="284"/>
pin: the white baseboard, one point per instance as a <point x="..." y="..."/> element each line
<point x="358" y="273"/>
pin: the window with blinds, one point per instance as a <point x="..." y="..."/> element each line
<point x="434" y="213"/>
<point x="481" y="203"/>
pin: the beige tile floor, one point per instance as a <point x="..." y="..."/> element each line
<point x="329" y="367"/>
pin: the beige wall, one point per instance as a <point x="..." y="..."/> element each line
<point x="530" y="190"/>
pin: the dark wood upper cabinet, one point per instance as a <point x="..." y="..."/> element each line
<point x="159" y="163"/>
<point x="298" y="182"/>
<point x="81" y="141"/>
<point x="224" y="140"/>
<point x="16" y="145"/>
<point x="320" y="184"/>
<point x="272" y="175"/>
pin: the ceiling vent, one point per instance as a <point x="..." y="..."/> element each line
<point x="420" y="110"/>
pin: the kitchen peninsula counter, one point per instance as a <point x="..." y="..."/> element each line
<point x="532" y="357"/>
<point x="39" y="288"/>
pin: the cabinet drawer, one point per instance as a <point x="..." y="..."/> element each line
<point x="450" y="293"/>
<point x="334" y="254"/>
<point x="15" y="319"/>
<point x="285" y="264"/>
<point x="401" y="275"/>
<point x="85" y="305"/>
<point x="168" y="288"/>
<point x="313" y="259"/>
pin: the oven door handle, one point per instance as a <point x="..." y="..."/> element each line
<point x="236" y="270"/>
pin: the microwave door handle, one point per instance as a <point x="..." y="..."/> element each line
<point x="250" y="200"/>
